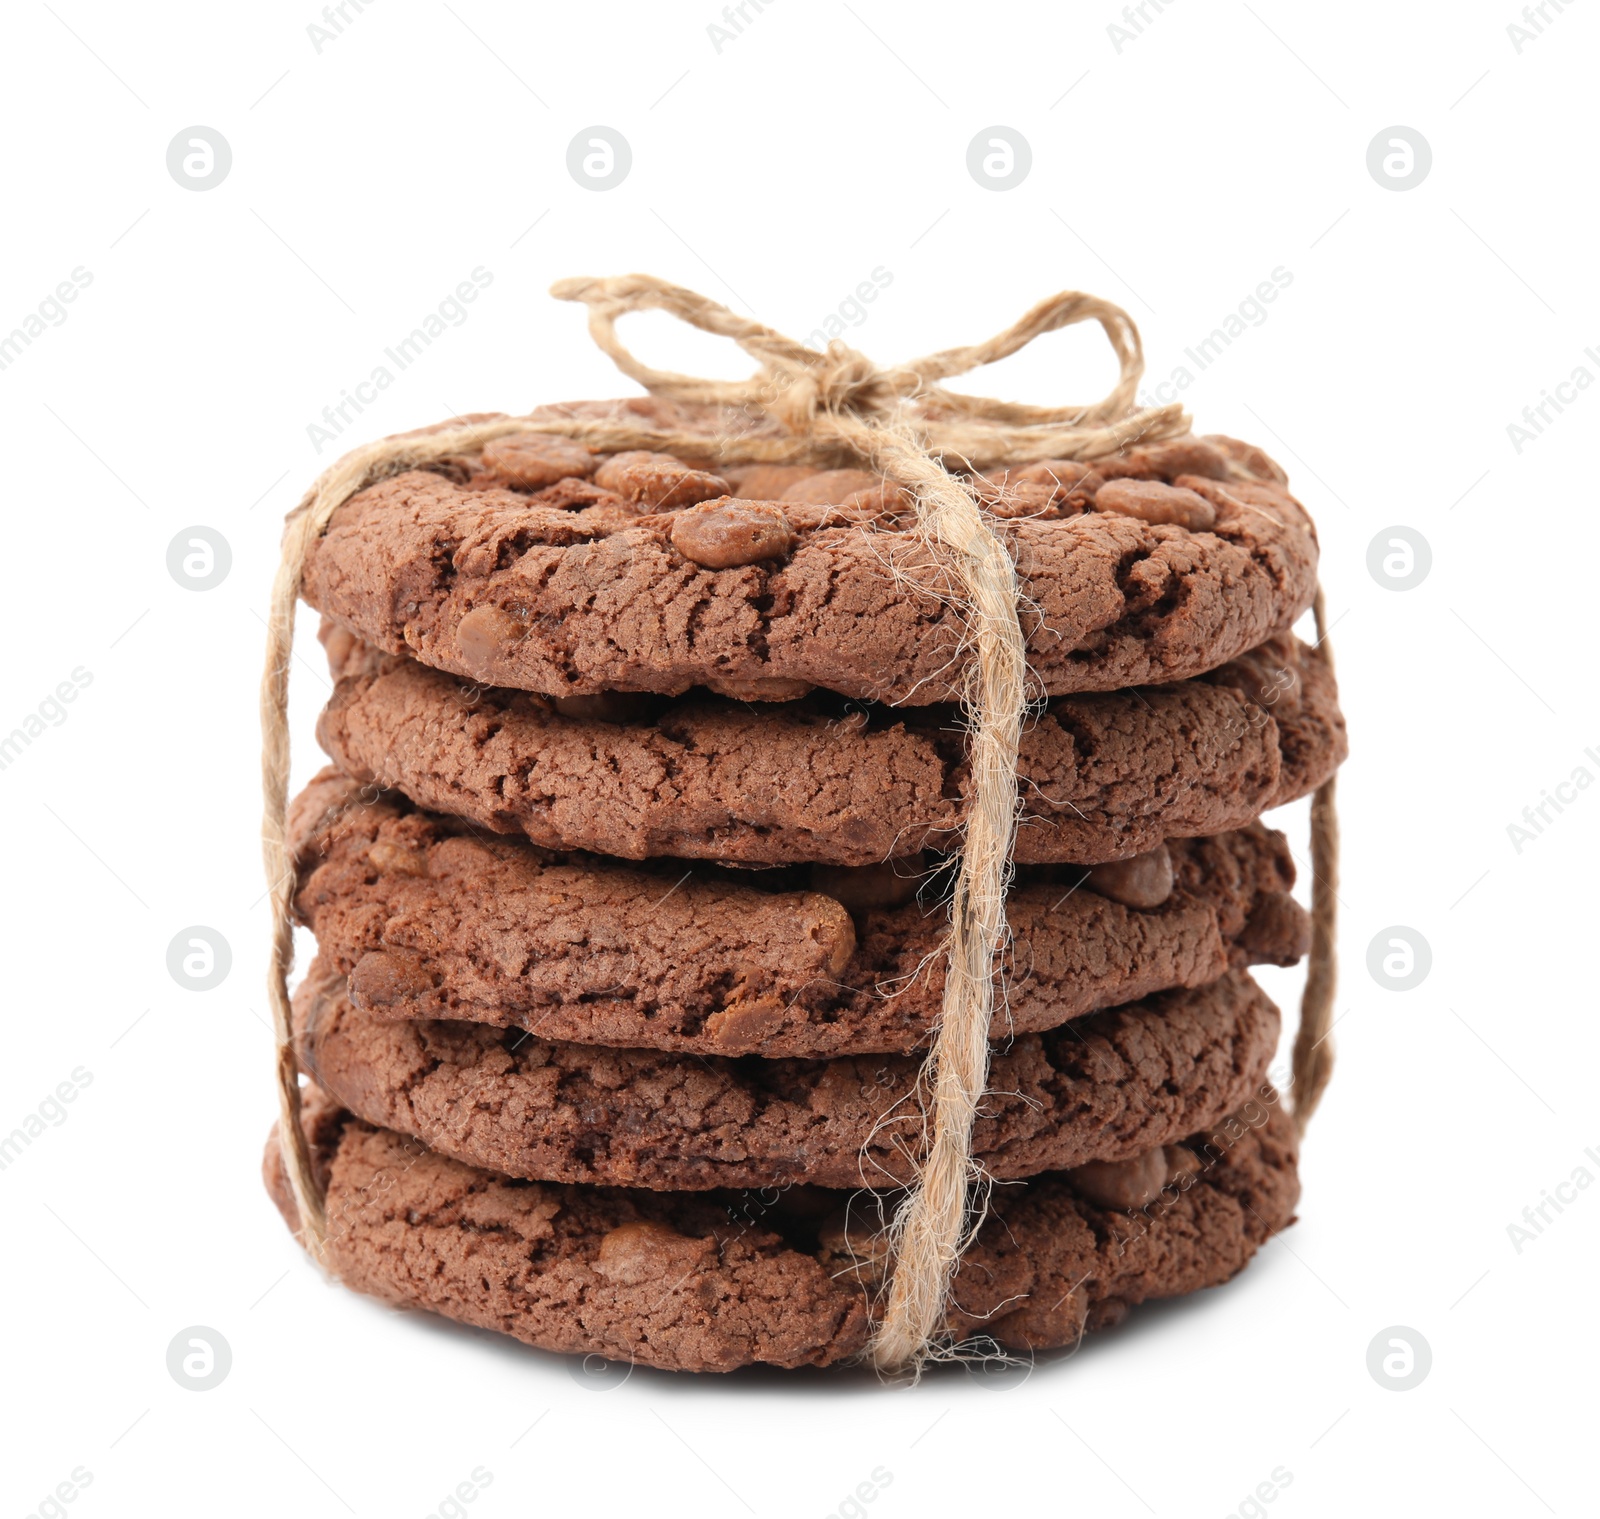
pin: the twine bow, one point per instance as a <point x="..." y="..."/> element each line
<point x="828" y="402"/>
<point x="805" y="406"/>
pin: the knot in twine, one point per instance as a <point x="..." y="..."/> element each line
<point x="830" y="406"/>
<point x="828" y="402"/>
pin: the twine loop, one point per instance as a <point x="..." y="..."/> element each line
<point x="827" y="396"/>
<point x="805" y="405"/>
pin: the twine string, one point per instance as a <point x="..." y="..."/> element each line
<point x="816" y="394"/>
<point x="1311" y="1067"/>
<point x="827" y="406"/>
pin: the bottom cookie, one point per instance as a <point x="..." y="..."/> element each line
<point x="788" y="1277"/>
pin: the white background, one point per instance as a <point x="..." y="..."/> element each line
<point x="1173" y="175"/>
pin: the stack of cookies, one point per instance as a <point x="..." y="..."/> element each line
<point x="629" y="884"/>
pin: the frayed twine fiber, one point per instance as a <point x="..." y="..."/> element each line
<point x="831" y="407"/>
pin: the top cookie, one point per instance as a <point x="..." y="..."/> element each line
<point x="539" y="565"/>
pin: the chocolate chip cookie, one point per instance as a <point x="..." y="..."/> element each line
<point x="1102" y="1088"/>
<point x="826" y="778"/>
<point x="643" y="571"/>
<point x="712" y="1282"/>
<point x="431" y="918"/>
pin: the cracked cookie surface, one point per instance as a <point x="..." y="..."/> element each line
<point x="1106" y="1087"/>
<point x="428" y="918"/>
<point x="577" y="588"/>
<point x="713" y="1282"/>
<point x="702" y="777"/>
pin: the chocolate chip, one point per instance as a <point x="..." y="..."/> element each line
<point x="1181" y="1162"/>
<point x="396" y="859"/>
<point x="1131" y="466"/>
<point x="484" y="635"/>
<point x="346" y="653"/>
<point x="1221" y="496"/>
<point x="741" y="1026"/>
<point x="831" y="930"/>
<point x="1278" y="931"/>
<point x="1188" y="456"/>
<point x="1151" y="501"/>
<point x="385" y="977"/>
<point x="832" y="487"/>
<point x="658" y="482"/>
<point x="860" y="888"/>
<point x="760" y="688"/>
<point x="766" y="482"/>
<point x="881" y="500"/>
<point x="1105" y="1314"/>
<point x="1143" y="881"/>
<point x="607" y="706"/>
<point x="644" y="1251"/>
<point x="1249" y="458"/>
<point x="1123" y="1184"/>
<point x="723" y="534"/>
<point x="534" y="460"/>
